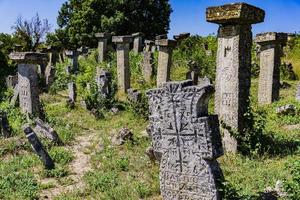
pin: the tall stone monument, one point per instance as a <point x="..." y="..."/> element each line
<point x="28" y="79"/>
<point x="165" y="51"/>
<point x="123" y="68"/>
<point x="138" y="42"/>
<point x="148" y="61"/>
<point x="188" y="140"/>
<point x="271" y="50"/>
<point x="233" y="76"/>
<point x="103" y="39"/>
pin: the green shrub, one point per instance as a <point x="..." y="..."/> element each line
<point x="292" y="187"/>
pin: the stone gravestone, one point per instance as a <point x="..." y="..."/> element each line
<point x="123" y="68"/>
<point x="271" y="50"/>
<point x="38" y="147"/>
<point x="138" y="42"/>
<point x="164" y="60"/>
<point x="188" y="139"/>
<point x="148" y="59"/>
<point x="53" y="53"/>
<point x="4" y="125"/>
<point x="233" y="76"/>
<point x="28" y="80"/>
<point x="102" y="45"/>
<point x="298" y="93"/>
<point x="194" y="72"/>
<point x="73" y="55"/>
<point x="11" y="81"/>
<point x="72" y="93"/>
<point x="103" y="80"/>
<point x="45" y="131"/>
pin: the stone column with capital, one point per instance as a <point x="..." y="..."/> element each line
<point x="102" y="45"/>
<point x="164" y="60"/>
<point x="233" y="78"/>
<point x="271" y="50"/>
<point x="28" y="80"/>
<point x="123" y="68"/>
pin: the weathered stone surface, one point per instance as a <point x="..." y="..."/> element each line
<point x="103" y="39"/>
<point x="148" y="65"/>
<point x="188" y="140"/>
<point x="149" y="44"/>
<point x="28" y="57"/>
<point x="38" y="147"/>
<point x="5" y="129"/>
<point x="164" y="60"/>
<point x="286" y="110"/>
<point x="28" y="87"/>
<point x="72" y="89"/>
<point x="123" y="68"/>
<point x="124" y="135"/>
<point x="73" y="55"/>
<point x="193" y="73"/>
<point x="15" y="97"/>
<point x="45" y="131"/>
<point x="271" y="49"/>
<point x="233" y="76"/>
<point x="11" y="81"/>
<point x="103" y="80"/>
<point x="237" y="13"/>
<point x="160" y="37"/>
<point x="134" y="95"/>
<point x="50" y="75"/>
<point x="138" y="42"/>
<point x="298" y="93"/>
<point x="204" y="81"/>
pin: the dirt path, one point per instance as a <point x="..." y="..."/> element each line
<point x="78" y="167"/>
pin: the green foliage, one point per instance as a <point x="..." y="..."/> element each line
<point x="202" y="50"/>
<point x="292" y="187"/>
<point x="117" y="16"/>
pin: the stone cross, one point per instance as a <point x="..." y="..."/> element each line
<point x="103" y="80"/>
<point x="271" y="49"/>
<point x="73" y="55"/>
<point x="138" y="42"/>
<point x="194" y="72"/>
<point x="164" y="60"/>
<point x="38" y="147"/>
<point x="233" y="76"/>
<point x="102" y="45"/>
<point x="28" y="80"/>
<point x="123" y="68"/>
<point x="188" y="140"/>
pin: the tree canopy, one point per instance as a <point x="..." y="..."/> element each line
<point x="81" y="19"/>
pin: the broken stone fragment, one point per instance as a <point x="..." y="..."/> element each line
<point x="286" y="110"/>
<point x="124" y="135"/>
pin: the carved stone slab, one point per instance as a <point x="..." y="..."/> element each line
<point x="188" y="140"/>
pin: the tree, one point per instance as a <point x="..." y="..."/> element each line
<point x="30" y="33"/>
<point x="81" y="19"/>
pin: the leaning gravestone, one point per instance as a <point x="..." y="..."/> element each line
<point x="188" y="140"/>
<point x="271" y="50"/>
<point x="45" y="131"/>
<point x="165" y="51"/>
<point x="28" y="80"/>
<point x="38" y="147"/>
<point x="123" y="68"/>
<point x="233" y="78"/>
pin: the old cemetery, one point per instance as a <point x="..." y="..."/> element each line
<point x="143" y="116"/>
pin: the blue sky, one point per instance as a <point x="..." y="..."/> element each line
<point x="187" y="16"/>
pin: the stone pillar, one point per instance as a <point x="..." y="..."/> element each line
<point x="233" y="76"/>
<point x="164" y="60"/>
<point x="103" y="80"/>
<point x="123" y="68"/>
<point x="187" y="140"/>
<point x="102" y="45"/>
<point x="271" y="49"/>
<point x="28" y="80"/>
<point x="138" y="42"/>
<point x="148" y="59"/>
<point x="53" y="53"/>
<point x="73" y="55"/>
<point x="72" y="92"/>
